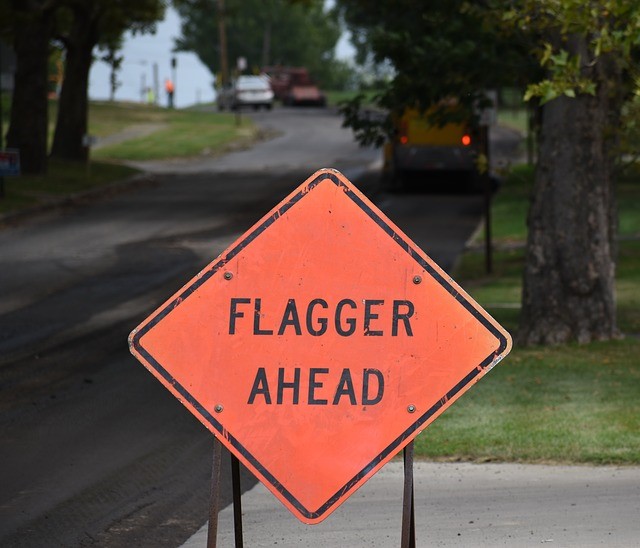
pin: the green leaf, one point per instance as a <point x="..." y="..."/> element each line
<point x="561" y="59"/>
<point x="546" y="55"/>
<point x="529" y="94"/>
<point x="549" y="93"/>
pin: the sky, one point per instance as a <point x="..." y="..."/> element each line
<point x="193" y="82"/>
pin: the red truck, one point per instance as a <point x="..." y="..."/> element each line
<point x="294" y="86"/>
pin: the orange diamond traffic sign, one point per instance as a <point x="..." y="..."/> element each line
<point x="319" y="344"/>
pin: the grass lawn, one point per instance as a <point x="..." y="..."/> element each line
<point x="334" y="97"/>
<point x="572" y="404"/>
<point x="566" y="404"/>
<point x="180" y="133"/>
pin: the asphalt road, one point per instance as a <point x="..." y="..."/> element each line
<point x="94" y="450"/>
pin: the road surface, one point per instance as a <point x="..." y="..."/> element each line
<point x="459" y="505"/>
<point x="95" y="451"/>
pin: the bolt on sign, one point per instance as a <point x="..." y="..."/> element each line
<point x="319" y="344"/>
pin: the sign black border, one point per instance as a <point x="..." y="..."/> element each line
<point x="394" y="446"/>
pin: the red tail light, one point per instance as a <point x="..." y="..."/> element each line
<point x="466" y="140"/>
<point x="403" y="130"/>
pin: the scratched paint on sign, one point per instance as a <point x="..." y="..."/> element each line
<point x="319" y="344"/>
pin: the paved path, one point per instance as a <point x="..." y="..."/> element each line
<point x="131" y="132"/>
<point x="459" y="505"/>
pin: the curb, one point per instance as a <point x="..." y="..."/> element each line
<point x="139" y="180"/>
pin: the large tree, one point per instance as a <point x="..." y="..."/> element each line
<point x="79" y="25"/>
<point x="586" y="50"/>
<point x="83" y="24"/>
<point x="265" y="32"/>
<point x="29" y="26"/>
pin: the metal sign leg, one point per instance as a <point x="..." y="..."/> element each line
<point x="214" y="503"/>
<point x="237" y="504"/>
<point x="408" y="507"/>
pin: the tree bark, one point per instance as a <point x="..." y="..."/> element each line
<point x="73" y="106"/>
<point x="569" y="277"/>
<point x="28" y="123"/>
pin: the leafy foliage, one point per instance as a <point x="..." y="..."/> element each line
<point x="264" y="32"/>
<point x="439" y="50"/>
<point x="459" y="48"/>
<point x="611" y="29"/>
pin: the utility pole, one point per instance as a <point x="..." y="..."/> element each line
<point x="222" y="35"/>
<point x="156" y="84"/>
<point x="174" y="76"/>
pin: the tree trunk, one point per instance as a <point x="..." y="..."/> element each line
<point x="569" y="277"/>
<point x="29" y="108"/>
<point x="73" y="107"/>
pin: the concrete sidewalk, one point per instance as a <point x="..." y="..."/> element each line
<point x="459" y="504"/>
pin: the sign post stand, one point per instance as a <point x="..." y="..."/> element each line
<point x="237" y="500"/>
<point x="408" y="506"/>
<point x="214" y="499"/>
<point x="214" y="502"/>
<point x="408" y="539"/>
